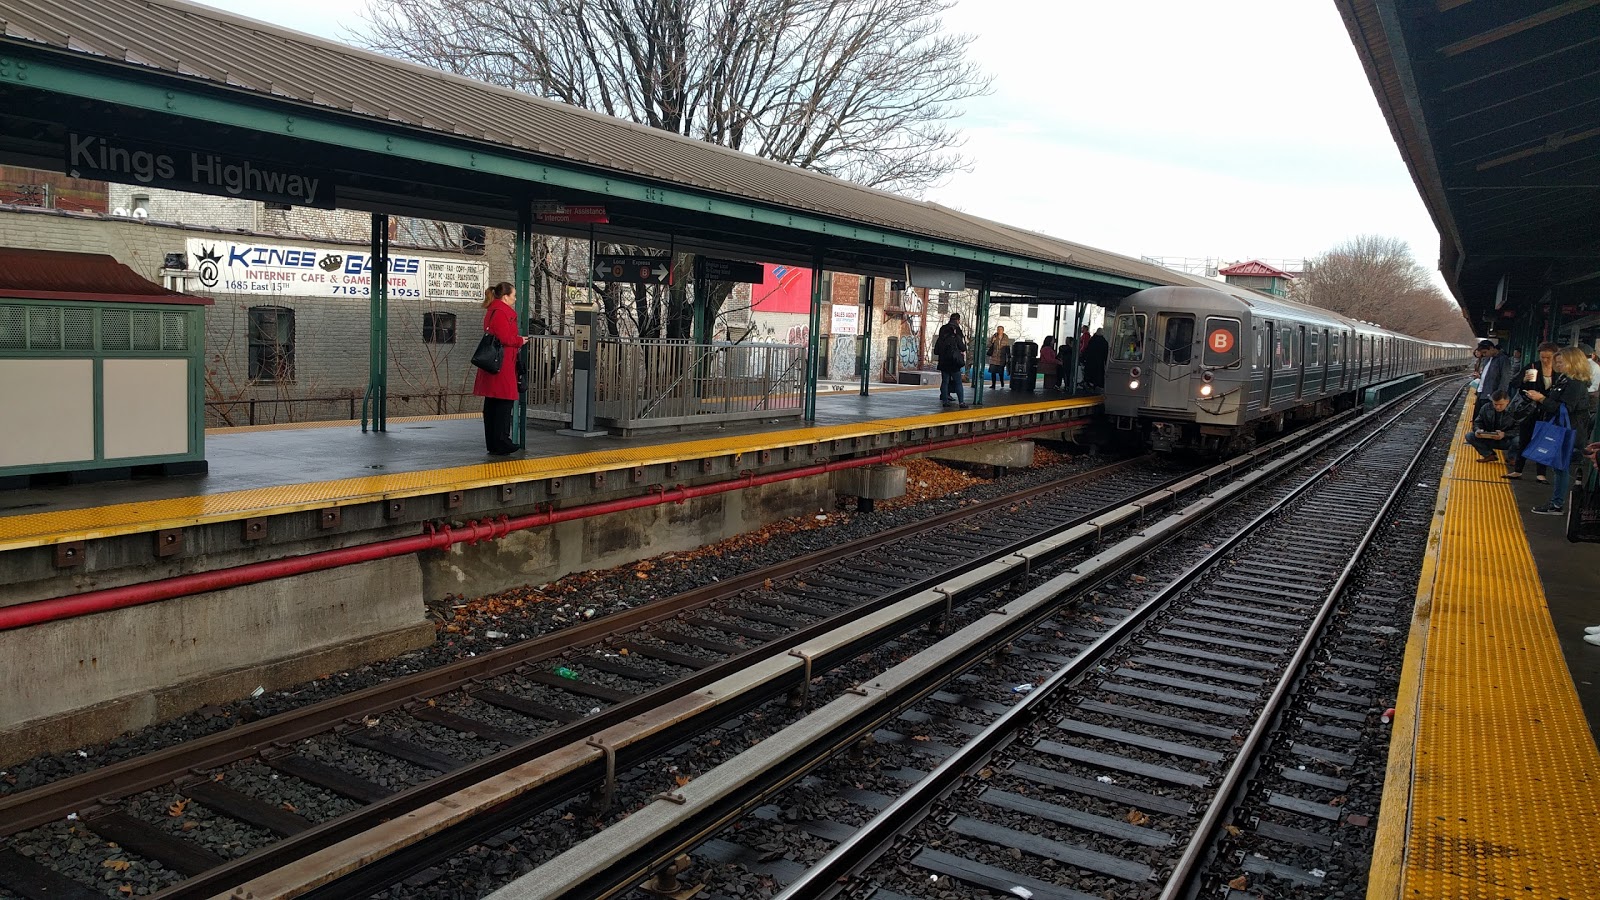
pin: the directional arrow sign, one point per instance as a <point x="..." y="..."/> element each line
<point x="634" y="269"/>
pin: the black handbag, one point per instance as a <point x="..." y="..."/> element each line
<point x="1583" y="507"/>
<point x="489" y="356"/>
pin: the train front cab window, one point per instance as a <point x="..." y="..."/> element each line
<point x="1177" y="339"/>
<point x="1128" y="340"/>
<point x="1169" y="384"/>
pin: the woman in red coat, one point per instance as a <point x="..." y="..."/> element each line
<point x="499" y="390"/>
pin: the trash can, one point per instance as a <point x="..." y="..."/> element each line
<point x="1024" y="365"/>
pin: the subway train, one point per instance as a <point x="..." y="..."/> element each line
<point x="1215" y="370"/>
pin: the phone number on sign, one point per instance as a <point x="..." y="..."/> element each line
<point x="362" y="291"/>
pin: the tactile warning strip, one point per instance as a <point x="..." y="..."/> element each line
<point x="132" y="518"/>
<point x="1505" y="782"/>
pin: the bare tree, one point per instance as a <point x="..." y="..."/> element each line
<point x="1376" y="279"/>
<point x="865" y="90"/>
<point x="860" y="89"/>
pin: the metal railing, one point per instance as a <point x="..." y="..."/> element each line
<point x="290" y="410"/>
<point x="664" y="383"/>
<point x="638" y="384"/>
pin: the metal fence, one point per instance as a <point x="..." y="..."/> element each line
<point x="643" y="384"/>
<point x="638" y="385"/>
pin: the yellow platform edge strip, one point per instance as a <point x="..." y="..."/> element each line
<point x="1504" y="775"/>
<point x="1394" y="810"/>
<point x="38" y="529"/>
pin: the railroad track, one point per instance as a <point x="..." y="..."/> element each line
<point x="521" y="702"/>
<point x="1138" y="731"/>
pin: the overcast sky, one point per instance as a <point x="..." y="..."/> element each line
<point x="1231" y="129"/>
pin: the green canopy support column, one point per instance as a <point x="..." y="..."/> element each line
<point x="702" y="299"/>
<point x="522" y="268"/>
<point x="980" y="339"/>
<point x="866" y="336"/>
<point x="376" y="401"/>
<point x="813" y="339"/>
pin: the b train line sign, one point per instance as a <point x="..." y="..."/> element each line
<point x="633" y="269"/>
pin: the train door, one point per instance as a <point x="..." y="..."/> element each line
<point x="1268" y="364"/>
<point x="1300" y="358"/>
<point x="1327" y="358"/>
<point x="1169" y="382"/>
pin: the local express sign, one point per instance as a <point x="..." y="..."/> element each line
<point x="237" y="267"/>
<point x="197" y="171"/>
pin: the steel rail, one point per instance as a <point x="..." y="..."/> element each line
<point x="47" y="803"/>
<point x="286" y="851"/>
<point x="835" y="871"/>
<point x="609" y="874"/>
<point x="1184" y="871"/>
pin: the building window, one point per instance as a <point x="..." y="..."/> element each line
<point x="863" y="290"/>
<point x="438" y="328"/>
<point x="1005" y="310"/>
<point x="141" y="205"/>
<point x="826" y="286"/>
<point x="944" y="303"/>
<point x="271" y="343"/>
<point x="1033" y="311"/>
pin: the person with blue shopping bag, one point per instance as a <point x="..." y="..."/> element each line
<point x="1566" y="415"/>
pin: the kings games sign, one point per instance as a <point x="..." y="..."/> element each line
<point x="197" y="171"/>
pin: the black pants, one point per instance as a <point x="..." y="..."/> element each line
<point x="497" y="425"/>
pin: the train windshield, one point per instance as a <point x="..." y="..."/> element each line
<point x="1128" y="341"/>
<point x="1222" y="342"/>
<point x="1177" y="345"/>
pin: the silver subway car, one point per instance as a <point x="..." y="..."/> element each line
<point x="1215" y="369"/>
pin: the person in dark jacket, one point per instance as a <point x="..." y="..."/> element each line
<point x="1496" y="427"/>
<point x="1094" y="360"/>
<point x="1570" y="389"/>
<point x="1494" y="374"/>
<point x="499" y="389"/>
<point x="1538" y="377"/>
<point x="950" y="347"/>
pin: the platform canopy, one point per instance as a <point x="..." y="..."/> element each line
<point x="1495" y="105"/>
<point x="213" y="100"/>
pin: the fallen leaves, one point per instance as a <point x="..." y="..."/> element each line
<point x="117" y="865"/>
<point x="1135" y="817"/>
<point x="176" y="809"/>
<point x="1240" y="883"/>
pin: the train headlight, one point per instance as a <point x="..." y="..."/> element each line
<point x="1205" y="390"/>
<point x="1133" y="384"/>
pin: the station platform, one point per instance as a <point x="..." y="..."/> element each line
<point x="278" y="469"/>
<point x="1493" y="787"/>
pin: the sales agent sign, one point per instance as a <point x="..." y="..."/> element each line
<point x="197" y="171"/>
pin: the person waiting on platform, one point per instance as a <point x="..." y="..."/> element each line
<point x="1094" y="360"/>
<point x="1494" y="374"/>
<point x="1538" y="377"/>
<point x="1570" y="389"/>
<point x="950" y="348"/>
<point x="999" y="356"/>
<point x="1496" y="427"/>
<point x="1050" y="363"/>
<point x="499" y="389"/>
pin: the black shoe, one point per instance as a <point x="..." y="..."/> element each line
<point x="1549" y="509"/>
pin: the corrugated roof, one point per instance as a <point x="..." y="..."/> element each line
<point x="208" y="45"/>
<point x="1254" y="267"/>
<point x="63" y="275"/>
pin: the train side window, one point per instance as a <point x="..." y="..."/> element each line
<point x="1129" y="338"/>
<point x="1314" y="351"/>
<point x="1222" y="343"/>
<point x="1259" y="357"/>
<point x="1285" y="358"/>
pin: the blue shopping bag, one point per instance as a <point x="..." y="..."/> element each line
<point x="1552" y="441"/>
